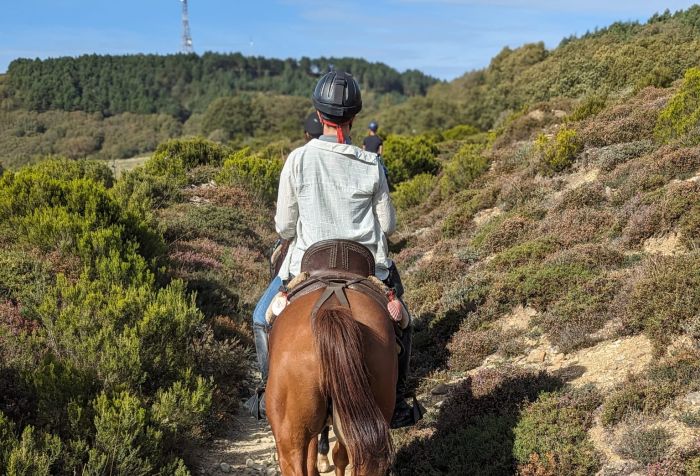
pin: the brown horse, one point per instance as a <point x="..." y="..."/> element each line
<point x="340" y="359"/>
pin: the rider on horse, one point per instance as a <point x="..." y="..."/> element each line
<point x="329" y="189"/>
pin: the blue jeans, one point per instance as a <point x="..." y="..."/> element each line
<point x="265" y="301"/>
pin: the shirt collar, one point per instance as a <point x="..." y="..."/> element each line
<point x="331" y="138"/>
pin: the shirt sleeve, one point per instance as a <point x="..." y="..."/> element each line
<point x="287" y="206"/>
<point x="383" y="207"/>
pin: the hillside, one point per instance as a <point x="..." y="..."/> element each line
<point x="609" y="61"/>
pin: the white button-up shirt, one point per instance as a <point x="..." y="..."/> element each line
<point x="329" y="190"/>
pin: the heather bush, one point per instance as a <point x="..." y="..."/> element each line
<point x="660" y="212"/>
<point x="646" y="445"/>
<point x="558" y="153"/>
<point x="592" y="256"/>
<point x="682" y="114"/>
<point x="532" y="251"/>
<point x="651" y="393"/>
<point x="413" y="192"/>
<point x="461" y="170"/>
<point x="590" y="194"/>
<point x="627" y="121"/>
<point x="580" y="225"/>
<point x="406" y="157"/>
<point x="555" y="428"/>
<point x="582" y="311"/>
<point x="502" y="232"/>
<point x="689" y="227"/>
<point x="260" y="175"/>
<point x="538" y="284"/>
<point x="589" y="106"/>
<point x="662" y="297"/>
<point x="652" y="172"/>
<point x="609" y="157"/>
<point x="468" y="348"/>
<point x="523" y="191"/>
<point x="468" y="203"/>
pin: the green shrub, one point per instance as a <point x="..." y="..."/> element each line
<point x="60" y="168"/>
<point x="181" y="410"/>
<point x="558" y="153"/>
<point x="125" y="442"/>
<point x="413" y="192"/>
<point x="258" y="174"/>
<point x="660" y="77"/>
<point x="466" y="165"/>
<point x="460" y="132"/>
<point x="406" y="157"/>
<point x="589" y="106"/>
<point x="176" y="157"/>
<point x="34" y="455"/>
<point x="682" y="114"/>
<point x="8" y="440"/>
<point x="555" y="428"/>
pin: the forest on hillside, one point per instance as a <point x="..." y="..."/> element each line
<point x="181" y="84"/>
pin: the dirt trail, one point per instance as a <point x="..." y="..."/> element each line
<point x="248" y="448"/>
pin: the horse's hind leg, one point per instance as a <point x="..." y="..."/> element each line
<point x="311" y="454"/>
<point x="340" y="458"/>
<point x="293" y="456"/>
<point x="324" y="466"/>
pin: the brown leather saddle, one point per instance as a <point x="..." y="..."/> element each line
<point x="336" y="265"/>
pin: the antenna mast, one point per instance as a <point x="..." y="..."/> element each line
<point x="186" y="37"/>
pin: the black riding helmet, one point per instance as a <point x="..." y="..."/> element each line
<point x="337" y="97"/>
<point x="313" y="126"/>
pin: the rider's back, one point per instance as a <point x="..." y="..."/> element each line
<point x="338" y="191"/>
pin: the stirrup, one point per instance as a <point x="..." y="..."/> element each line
<point x="256" y="404"/>
<point x="407" y="415"/>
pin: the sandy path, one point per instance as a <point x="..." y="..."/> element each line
<point x="248" y="448"/>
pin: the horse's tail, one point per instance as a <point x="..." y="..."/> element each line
<point x="345" y="380"/>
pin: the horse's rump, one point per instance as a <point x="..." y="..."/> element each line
<point x="347" y="357"/>
<point x="345" y="381"/>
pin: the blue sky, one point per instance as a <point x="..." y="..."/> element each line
<point x="444" y="38"/>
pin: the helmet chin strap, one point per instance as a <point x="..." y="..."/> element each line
<point x="338" y="128"/>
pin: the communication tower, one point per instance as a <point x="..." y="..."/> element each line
<point x="186" y="37"/>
